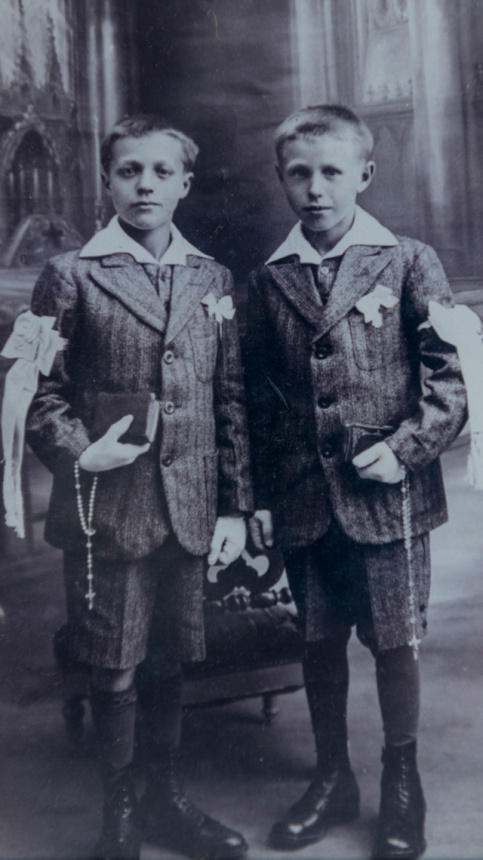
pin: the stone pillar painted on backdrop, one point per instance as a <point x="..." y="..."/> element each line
<point x="106" y="93"/>
<point x="440" y="127"/>
<point x="314" y="46"/>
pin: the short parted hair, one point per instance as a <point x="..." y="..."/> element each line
<point x="317" y="120"/>
<point x="141" y="125"/>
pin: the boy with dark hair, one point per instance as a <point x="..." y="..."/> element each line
<point x="148" y="326"/>
<point x="345" y="444"/>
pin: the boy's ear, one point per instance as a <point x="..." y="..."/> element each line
<point x="187" y="181"/>
<point x="105" y="181"/>
<point x="367" y="176"/>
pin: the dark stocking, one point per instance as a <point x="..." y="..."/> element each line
<point x="326" y="673"/>
<point x="398" y="687"/>
<point x="160" y="699"/>
<point x="113" y="714"/>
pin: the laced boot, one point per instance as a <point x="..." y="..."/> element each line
<point x="172" y="821"/>
<point x="331" y="798"/>
<point x="120" y="837"/>
<point x="400" y="830"/>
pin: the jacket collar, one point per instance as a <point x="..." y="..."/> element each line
<point x="358" y="273"/>
<point x="125" y="279"/>
<point x="113" y="240"/>
<point x="366" y="230"/>
<point x="359" y="269"/>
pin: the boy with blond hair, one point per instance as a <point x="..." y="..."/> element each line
<point x="345" y="447"/>
<point x="148" y="325"/>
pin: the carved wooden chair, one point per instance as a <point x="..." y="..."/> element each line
<point x="254" y="647"/>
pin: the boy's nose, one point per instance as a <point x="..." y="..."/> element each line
<point x="316" y="186"/>
<point x="145" y="182"/>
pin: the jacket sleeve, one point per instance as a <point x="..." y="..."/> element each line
<point x="262" y="404"/>
<point x="234" y="481"/>
<point x="441" y="411"/>
<point x="55" y="435"/>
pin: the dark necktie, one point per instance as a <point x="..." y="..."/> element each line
<point x="160" y="277"/>
<point x="324" y="278"/>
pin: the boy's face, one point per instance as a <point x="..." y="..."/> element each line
<point x="147" y="179"/>
<point x="322" y="176"/>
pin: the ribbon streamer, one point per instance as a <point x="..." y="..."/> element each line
<point x="462" y="328"/>
<point x="34" y="344"/>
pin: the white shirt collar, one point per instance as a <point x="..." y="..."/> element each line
<point x="365" y="230"/>
<point x="114" y="240"/>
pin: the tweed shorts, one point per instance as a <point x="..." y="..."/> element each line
<point x="160" y="596"/>
<point x="337" y="584"/>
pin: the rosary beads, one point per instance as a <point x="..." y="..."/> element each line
<point x="86" y="526"/>
<point x="406" y="518"/>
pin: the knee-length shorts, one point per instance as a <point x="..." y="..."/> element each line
<point x="161" y="593"/>
<point x="338" y="583"/>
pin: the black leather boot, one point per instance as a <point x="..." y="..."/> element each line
<point x="172" y="821"/>
<point x="120" y="837"/>
<point x="113" y="715"/>
<point x="331" y="798"/>
<point x="400" y="830"/>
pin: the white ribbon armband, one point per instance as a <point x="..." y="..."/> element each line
<point x="463" y="329"/>
<point x="33" y="343"/>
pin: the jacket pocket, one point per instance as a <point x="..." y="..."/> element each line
<point x="377" y="347"/>
<point x="204" y="343"/>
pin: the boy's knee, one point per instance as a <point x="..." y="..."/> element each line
<point x="112" y="680"/>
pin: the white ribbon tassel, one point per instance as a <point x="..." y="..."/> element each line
<point x="34" y="344"/>
<point x="462" y="328"/>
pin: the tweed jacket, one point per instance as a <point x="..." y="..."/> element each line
<point x="312" y="369"/>
<point x="118" y="341"/>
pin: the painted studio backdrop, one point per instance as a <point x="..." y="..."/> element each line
<point x="227" y="71"/>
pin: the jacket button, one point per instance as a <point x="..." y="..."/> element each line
<point x="324" y="402"/>
<point x="322" y="351"/>
<point x="169" y="407"/>
<point x="166" y="461"/>
<point x="169" y="357"/>
<point x="327" y="451"/>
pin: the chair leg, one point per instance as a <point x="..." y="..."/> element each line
<point x="269" y="709"/>
<point x="75" y="679"/>
<point x="73" y="711"/>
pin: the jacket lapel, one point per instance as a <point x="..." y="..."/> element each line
<point x="189" y="285"/>
<point x="358" y="272"/>
<point x="128" y="282"/>
<point x="297" y="284"/>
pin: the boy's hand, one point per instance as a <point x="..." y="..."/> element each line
<point x="108" y="453"/>
<point x="260" y="527"/>
<point x="379" y="463"/>
<point x="228" y="541"/>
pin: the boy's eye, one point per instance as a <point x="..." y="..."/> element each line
<point x="163" y="171"/>
<point x="331" y="171"/>
<point x="127" y="171"/>
<point x="299" y="172"/>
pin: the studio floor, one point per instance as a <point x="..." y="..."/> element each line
<point x="239" y="769"/>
